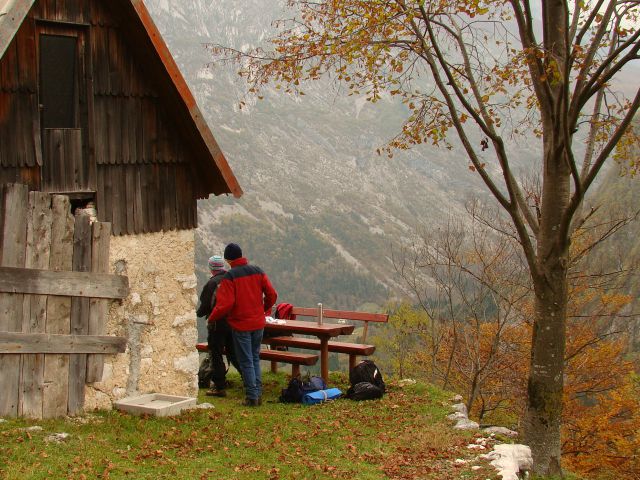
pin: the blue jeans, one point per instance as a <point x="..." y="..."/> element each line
<point x="247" y="350"/>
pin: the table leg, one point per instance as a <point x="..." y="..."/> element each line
<point x="324" y="358"/>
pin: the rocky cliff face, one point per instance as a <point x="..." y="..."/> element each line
<point x="322" y="210"/>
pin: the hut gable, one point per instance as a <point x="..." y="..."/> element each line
<point x="93" y="105"/>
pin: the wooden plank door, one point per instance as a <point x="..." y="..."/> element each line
<point x="66" y="102"/>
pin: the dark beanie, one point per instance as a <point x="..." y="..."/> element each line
<point x="232" y="251"/>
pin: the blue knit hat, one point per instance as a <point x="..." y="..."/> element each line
<point x="216" y="263"/>
<point x="232" y="252"/>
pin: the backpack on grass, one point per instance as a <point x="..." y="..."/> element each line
<point x="298" y="387"/>
<point x="205" y="372"/>
<point x="366" y="382"/>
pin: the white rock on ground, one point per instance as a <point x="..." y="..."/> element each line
<point x="509" y="460"/>
<point x="35" y="428"/>
<point x="466" y="424"/>
<point x="500" y="431"/>
<point x="460" y="407"/>
<point x="57" y="437"/>
<point x="455" y="416"/>
<point x="406" y="381"/>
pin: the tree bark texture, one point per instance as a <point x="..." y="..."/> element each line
<point x="543" y="418"/>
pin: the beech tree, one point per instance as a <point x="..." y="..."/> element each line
<point x="488" y="72"/>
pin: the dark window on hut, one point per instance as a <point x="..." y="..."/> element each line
<point x="58" y="81"/>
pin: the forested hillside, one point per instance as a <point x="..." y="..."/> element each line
<point x="321" y="210"/>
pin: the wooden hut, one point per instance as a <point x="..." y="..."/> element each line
<point x="93" y="106"/>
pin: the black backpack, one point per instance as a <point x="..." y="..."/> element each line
<point x="366" y="381"/>
<point x="298" y="388"/>
<point x="364" y="391"/>
<point x="366" y="371"/>
<point x="205" y="372"/>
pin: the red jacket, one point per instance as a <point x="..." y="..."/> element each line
<point x="243" y="296"/>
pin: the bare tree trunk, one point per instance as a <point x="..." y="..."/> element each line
<point x="544" y="410"/>
<point x="543" y="417"/>
<point x="473" y="390"/>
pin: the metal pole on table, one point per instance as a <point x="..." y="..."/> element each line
<point x="319" y="314"/>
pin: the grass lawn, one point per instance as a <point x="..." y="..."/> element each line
<point x="402" y="436"/>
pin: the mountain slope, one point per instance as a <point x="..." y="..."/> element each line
<point x="321" y="209"/>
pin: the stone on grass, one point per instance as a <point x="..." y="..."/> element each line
<point x="455" y="416"/>
<point x="406" y="381"/>
<point x="500" y="431"/>
<point x="205" y="406"/>
<point x="35" y="428"/>
<point x="510" y="460"/>
<point x="466" y="424"/>
<point x="57" y="437"/>
<point x="457" y="399"/>
<point x="460" y="407"/>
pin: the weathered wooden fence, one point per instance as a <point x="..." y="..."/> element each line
<point x="54" y="298"/>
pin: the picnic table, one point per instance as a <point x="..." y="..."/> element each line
<point x="323" y="332"/>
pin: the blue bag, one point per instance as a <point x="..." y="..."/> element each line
<point x="299" y="387"/>
<point x="321" y="396"/>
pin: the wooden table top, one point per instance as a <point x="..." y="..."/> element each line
<point x="310" y="328"/>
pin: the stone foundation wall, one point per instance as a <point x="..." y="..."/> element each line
<point x="158" y="319"/>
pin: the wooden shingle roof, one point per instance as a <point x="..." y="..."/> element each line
<point x="212" y="166"/>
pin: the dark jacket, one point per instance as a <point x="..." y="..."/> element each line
<point x="208" y="296"/>
<point x="244" y="295"/>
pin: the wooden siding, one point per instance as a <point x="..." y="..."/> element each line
<point x="19" y="113"/>
<point x="52" y="293"/>
<point x="127" y="148"/>
<point x="147" y="198"/>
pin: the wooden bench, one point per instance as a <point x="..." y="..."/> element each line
<point x="354" y="350"/>
<point x="276" y="356"/>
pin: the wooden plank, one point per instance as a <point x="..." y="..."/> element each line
<point x="56" y="366"/>
<point x="154" y="201"/>
<point x="13" y="226"/>
<point x="165" y="206"/>
<point x="138" y="209"/>
<point x="25" y="43"/>
<point x="314" y="344"/>
<point x="107" y="208"/>
<point x="72" y="284"/>
<point x="146" y="194"/>
<point x="100" y="200"/>
<point x="118" y="224"/>
<point x="129" y="172"/>
<point x="98" y="309"/>
<point x="289" y="357"/>
<point x="79" y="314"/>
<point x="35" y="306"/>
<point x="342" y="314"/>
<point x="14" y="343"/>
<point x="36" y="134"/>
<point x="125" y="131"/>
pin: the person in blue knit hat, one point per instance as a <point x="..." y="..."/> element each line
<point x="218" y="334"/>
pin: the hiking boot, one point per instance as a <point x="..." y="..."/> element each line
<point x="215" y="392"/>
<point x="251" y="402"/>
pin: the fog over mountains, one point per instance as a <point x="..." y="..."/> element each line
<point x="321" y="210"/>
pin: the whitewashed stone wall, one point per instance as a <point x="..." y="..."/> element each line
<point x="158" y="319"/>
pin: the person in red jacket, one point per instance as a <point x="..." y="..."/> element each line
<point x="245" y="295"/>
